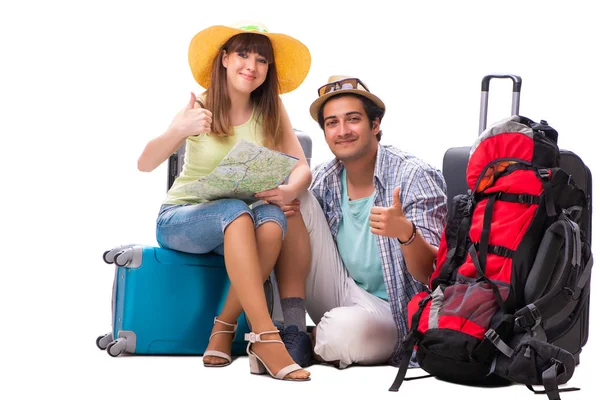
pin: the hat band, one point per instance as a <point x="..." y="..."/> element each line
<point x="342" y="84"/>
<point x="254" y="28"/>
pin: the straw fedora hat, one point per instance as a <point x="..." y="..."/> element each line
<point x="292" y="57"/>
<point x="342" y="84"/>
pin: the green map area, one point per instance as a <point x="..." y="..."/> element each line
<point x="247" y="169"/>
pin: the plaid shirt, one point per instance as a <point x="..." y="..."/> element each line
<point x="422" y="190"/>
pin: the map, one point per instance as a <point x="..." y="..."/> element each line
<point x="247" y="169"/>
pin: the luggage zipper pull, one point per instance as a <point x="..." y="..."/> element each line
<point x="527" y="353"/>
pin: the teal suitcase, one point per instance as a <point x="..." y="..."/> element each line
<point x="164" y="302"/>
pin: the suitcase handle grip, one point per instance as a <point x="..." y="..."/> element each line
<point x="485" y="89"/>
<point x="517" y="81"/>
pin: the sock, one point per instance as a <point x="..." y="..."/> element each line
<point x="294" y="312"/>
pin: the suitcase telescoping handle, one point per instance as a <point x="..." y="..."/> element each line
<point x="485" y="90"/>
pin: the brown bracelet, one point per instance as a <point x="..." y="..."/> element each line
<point x="412" y="237"/>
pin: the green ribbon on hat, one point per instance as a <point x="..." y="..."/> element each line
<point x="253" y="28"/>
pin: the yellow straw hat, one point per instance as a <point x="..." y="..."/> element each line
<point x="292" y="57"/>
<point x="342" y="84"/>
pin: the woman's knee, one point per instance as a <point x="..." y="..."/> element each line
<point x="198" y="228"/>
<point x="232" y="209"/>
<point x="269" y="213"/>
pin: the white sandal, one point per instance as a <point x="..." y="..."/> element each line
<point x="258" y="366"/>
<point x="216" y="353"/>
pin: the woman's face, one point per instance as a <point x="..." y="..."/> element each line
<point x="246" y="71"/>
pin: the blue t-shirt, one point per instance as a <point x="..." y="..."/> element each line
<point x="357" y="245"/>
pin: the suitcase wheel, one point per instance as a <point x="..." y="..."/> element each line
<point x="116" y="347"/>
<point x="103" y="341"/>
<point x="123" y="257"/>
<point x="110" y="256"/>
<point x="105" y="257"/>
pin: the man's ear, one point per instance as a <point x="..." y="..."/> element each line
<point x="224" y="58"/>
<point x="376" y="126"/>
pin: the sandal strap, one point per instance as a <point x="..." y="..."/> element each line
<point x="286" y="370"/>
<point x="224" y="323"/>
<point x="216" y="353"/>
<point x="256" y="337"/>
<point x="219" y="332"/>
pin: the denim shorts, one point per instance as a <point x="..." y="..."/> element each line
<point x="200" y="228"/>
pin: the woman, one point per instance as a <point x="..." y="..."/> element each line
<point x="243" y="80"/>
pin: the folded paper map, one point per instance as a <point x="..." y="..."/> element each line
<point x="247" y="169"/>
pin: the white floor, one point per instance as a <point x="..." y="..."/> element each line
<point x="51" y="317"/>
<point x="73" y="368"/>
<point x="94" y="374"/>
<point x="186" y="379"/>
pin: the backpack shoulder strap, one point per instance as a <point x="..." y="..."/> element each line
<point x="557" y="277"/>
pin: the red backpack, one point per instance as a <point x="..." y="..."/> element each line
<point x="512" y="271"/>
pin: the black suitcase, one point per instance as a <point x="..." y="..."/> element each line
<point x="454" y="169"/>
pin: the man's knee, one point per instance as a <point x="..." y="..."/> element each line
<point x="337" y="332"/>
<point x="352" y="335"/>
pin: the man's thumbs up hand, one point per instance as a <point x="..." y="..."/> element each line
<point x="397" y="202"/>
<point x="391" y="221"/>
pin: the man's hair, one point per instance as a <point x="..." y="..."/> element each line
<point x="370" y="107"/>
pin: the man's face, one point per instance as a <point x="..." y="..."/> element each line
<point x="347" y="130"/>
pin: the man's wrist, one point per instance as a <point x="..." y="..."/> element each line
<point x="412" y="235"/>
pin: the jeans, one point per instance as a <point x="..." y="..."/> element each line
<point x="200" y="228"/>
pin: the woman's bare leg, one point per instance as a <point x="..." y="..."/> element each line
<point x="245" y="273"/>
<point x="268" y="243"/>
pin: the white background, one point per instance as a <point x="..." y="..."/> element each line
<point x="84" y="85"/>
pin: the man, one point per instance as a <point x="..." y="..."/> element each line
<point x="374" y="215"/>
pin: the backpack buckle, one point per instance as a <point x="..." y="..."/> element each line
<point x="527" y="198"/>
<point x="491" y="335"/>
<point x="544" y="173"/>
<point x="531" y="321"/>
<point x="495" y="339"/>
<point x="560" y="367"/>
<point x="535" y="313"/>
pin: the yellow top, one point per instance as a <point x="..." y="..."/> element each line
<point x="204" y="152"/>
